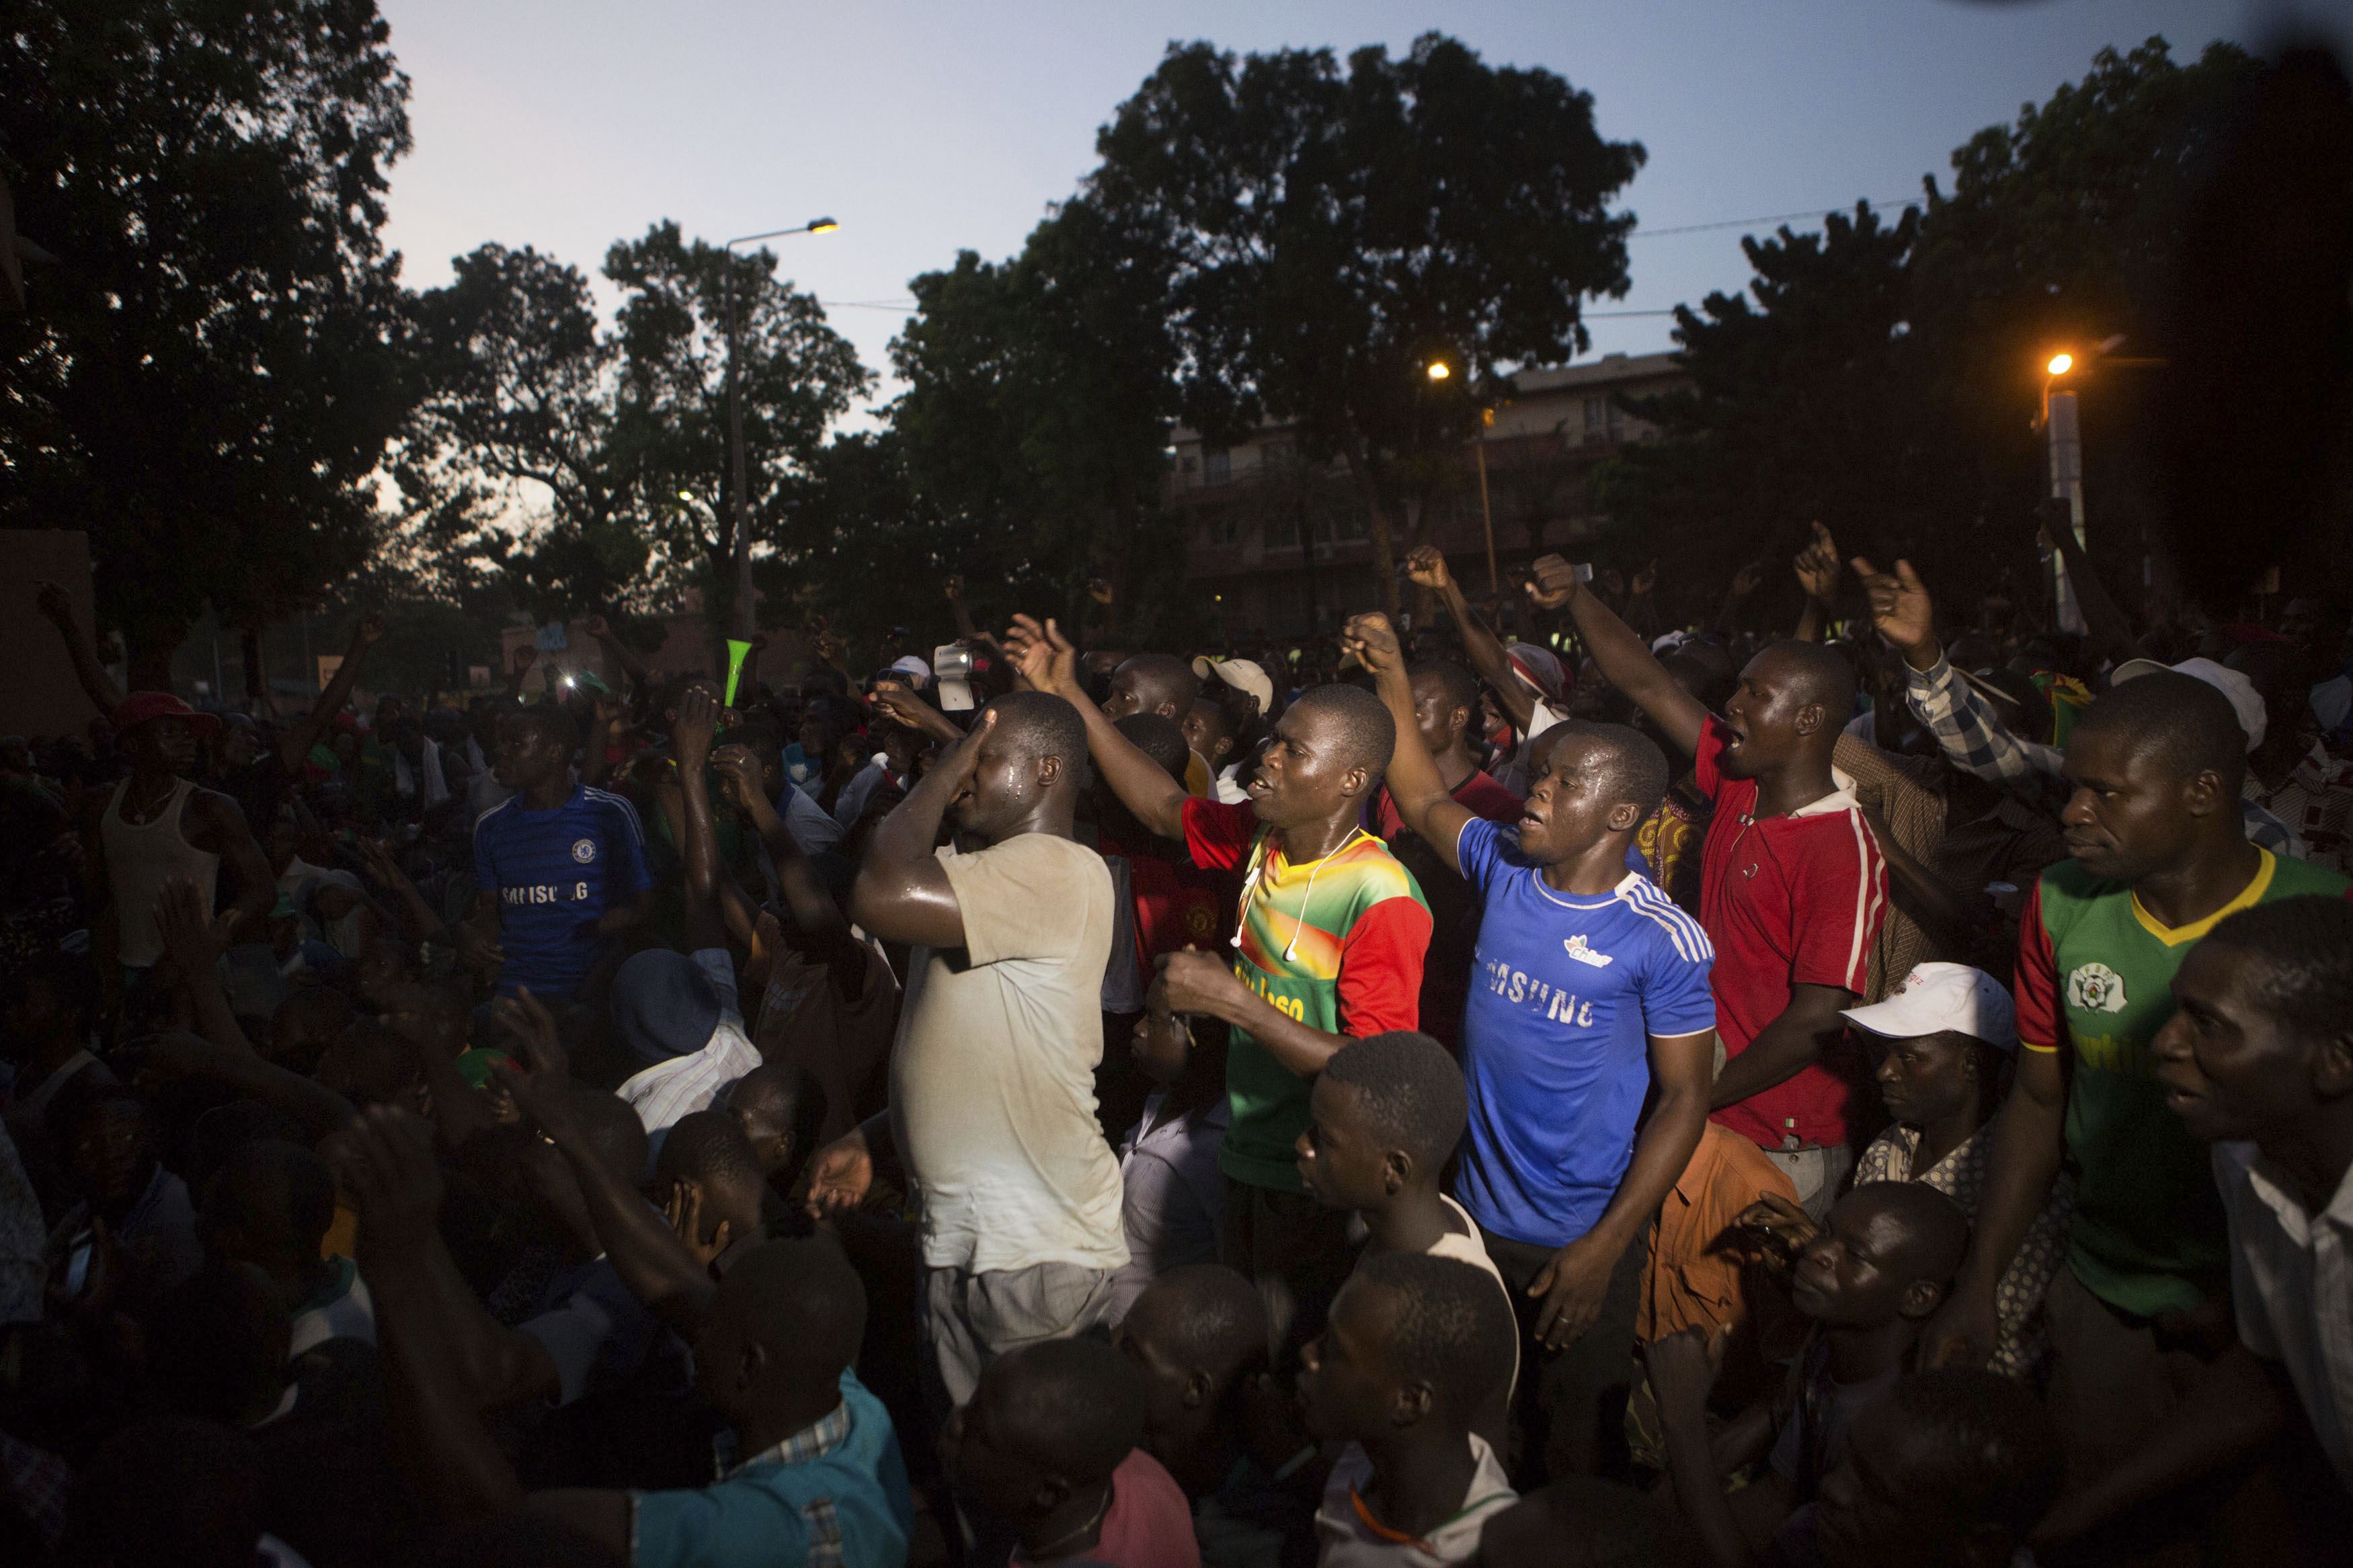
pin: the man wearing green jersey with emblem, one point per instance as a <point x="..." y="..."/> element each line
<point x="1331" y="935"/>
<point x="2157" y="858"/>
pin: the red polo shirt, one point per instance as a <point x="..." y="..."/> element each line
<point x="1788" y="900"/>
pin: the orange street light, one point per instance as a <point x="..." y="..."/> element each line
<point x="2060" y="363"/>
<point x="1439" y="370"/>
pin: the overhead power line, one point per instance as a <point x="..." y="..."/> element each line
<point x="1816" y="214"/>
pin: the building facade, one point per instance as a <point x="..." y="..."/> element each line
<point x="1280" y="544"/>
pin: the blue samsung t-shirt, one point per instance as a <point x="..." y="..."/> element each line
<point x="1563" y="994"/>
<point x="555" y="873"/>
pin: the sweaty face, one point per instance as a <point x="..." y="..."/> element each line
<point x="1304" y="775"/>
<point x="1926" y="1078"/>
<point x="1434" y="713"/>
<point x="1764" y="714"/>
<point x="1345" y="1386"/>
<point x="2230" y="1066"/>
<point x="1570" y="803"/>
<point x="1853" y="1274"/>
<point x="1005" y="788"/>
<point x="2130" y="811"/>
<point x="1340" y="1159"/>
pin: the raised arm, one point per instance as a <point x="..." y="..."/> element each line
<point x="195" y="939"/>
<point x="96" y="684"/>
<point x="1427" y="568"/>
<point x="824" y="929"/>
<point x="624" y="656"/>
<point x="903" y="892"/>
<point x="2112" y="631"/>
<point x="690" y="737"/>
<point x="1816" y="566"/>
<point x="1048" y="661"/>
<point x="1625" y="659"/>
<point x="643" y="1248"/>
<point x="1420" y="794"/>
<point x="294" y="742"/>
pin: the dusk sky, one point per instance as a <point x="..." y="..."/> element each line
<point x="930" y="128"/>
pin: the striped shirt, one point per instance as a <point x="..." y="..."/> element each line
<point x="1786" y="902"/>
<point x="555" y="873"/>
<point x="667" y="1092"/>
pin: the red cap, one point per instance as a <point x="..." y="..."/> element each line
<point x="141" y="706"/>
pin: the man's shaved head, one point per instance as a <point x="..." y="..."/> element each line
<point x="1819" y="673"/>
<point x="1205" y="1315"/>
<point x="1360" y="720"/>
<point x="1040" y="724"/>
<point x="1459" y="686"/>
<point x="1154" y="683"/>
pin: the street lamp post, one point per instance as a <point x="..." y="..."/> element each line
<point x="1439" y="370"/>
<point x="2061" y="419"/>
<point x="745" y="625"/>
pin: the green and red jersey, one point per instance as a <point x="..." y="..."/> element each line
<point x="1335" y="944"/>
<point x="2095" y="980"/>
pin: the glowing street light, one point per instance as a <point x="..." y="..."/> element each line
<point x="1439" y="370"/>
<point x="2060" y="363"/>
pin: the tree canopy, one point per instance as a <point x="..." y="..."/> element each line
<point x="1328" y="232"/>
<point x="208" y="376"/>
<point x="589" y="464"/>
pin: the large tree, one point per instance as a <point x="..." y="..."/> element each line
<point x="206" y="377"/>
<point x="1035" y="425"/>
<point x="588" y="463"/>
<point x="1329" y="232"/>
<point x="1885" y="378"/>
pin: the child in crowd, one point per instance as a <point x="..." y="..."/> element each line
<point x="1869" y="1281"/>
<point x="1049" y="1446"/>
<point x="1383" y="1122"/>
<point x="1948" y="1036"/>
<point x="1415" y="1348"/>
<point x="1198" y="1336"/>
<point x="1172" y="1192"/>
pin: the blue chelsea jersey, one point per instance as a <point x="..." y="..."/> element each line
<point x="555" y="873"/>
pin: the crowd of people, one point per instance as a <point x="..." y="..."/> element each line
<point x="1877" y="1095"/>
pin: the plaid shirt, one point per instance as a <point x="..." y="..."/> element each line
<point x="1976" y="740"/>
<point x="811" y="1442"/>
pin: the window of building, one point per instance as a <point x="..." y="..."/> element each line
<point x="1595" y="410"/>
<point x="1217" y="467"/>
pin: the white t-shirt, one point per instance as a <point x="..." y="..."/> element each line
<point x="992" y="1079"/>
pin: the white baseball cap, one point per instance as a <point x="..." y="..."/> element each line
<point x="1241" y="674"/>
<point x="1936" y="997"/>
<point x="2244" y="699"/>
